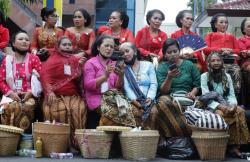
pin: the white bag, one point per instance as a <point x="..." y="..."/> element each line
<point x="36" y="87"/>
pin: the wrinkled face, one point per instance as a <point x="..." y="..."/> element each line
<point x="22" y="42"/>
<point x="106" y="49"/>
<point x="172" y="54"/>
<point x="127" y="53"/>
<point x="247" y="27"/>
<point x="78" y="19"/>
<point x="187" y="20"/>
<point x="156" y="20"/>
<point x="221" y="24"/>
<point x="114" y="20"/>
<point x="215" y="62"/>
<point x="66" y="45"/>
<point x="52" y="19"/>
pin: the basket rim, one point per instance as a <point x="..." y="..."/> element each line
<point x="195" y="128"/>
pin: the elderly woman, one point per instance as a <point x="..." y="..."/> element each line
<point x="100" y="75"/>
<point x="15" y="82"/>
<point x="174" y="74"/>
<point x="60" y="80"/>
<point x="149" y="39"/>
<point x="225" y="44"/>
<point x="217" y="80"/>
<point x="118" y="27"/>
<point x="184" y="20"/>
<point x="81" y="35"/>
<point x="45" y="38"/>
<point x="140" y="86"/>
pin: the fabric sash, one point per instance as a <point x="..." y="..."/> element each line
<point x="141" y="98"/>
<point x="11" y="70"/>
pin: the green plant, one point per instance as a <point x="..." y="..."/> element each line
<point x="5" y="7"/>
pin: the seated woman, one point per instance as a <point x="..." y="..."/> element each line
<point x="216" y="79"/>
<point x="184" y="77"/>
<point x="140" y="86"/>
<point x="60" y="76"/>
<point x="100" y="75"/>
<point x="15" y="82"/>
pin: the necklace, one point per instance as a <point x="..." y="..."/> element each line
<point x="137" y="74"/>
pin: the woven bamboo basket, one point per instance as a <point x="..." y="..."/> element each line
<point x="139" y="145"/>
<point x="9" y="138"/>
<point x="210" y="143"/>
<point x="94" y="143"/>
<point x="55" y="137"/>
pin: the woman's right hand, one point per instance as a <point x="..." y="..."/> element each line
<point x="14" y="96"/>
<point x="173" y="73"/>
<point x="51" y="98"/>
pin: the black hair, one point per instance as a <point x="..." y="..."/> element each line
<point x="1" y="18"/>
<point x="242" y="26"/>
<point x="215" y="19"/>
<point x="13" y="38"/>
<point x="167" y="43"/>
<point x="124" y="18"/>
<point x="180" y="16"/>
<point x="86" y="16"/>
<point x="97" y="43"/>
<point x="151" y="12"/>
<point x="45" y="12"/>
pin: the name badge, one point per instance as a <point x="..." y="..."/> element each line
<point x="19" y="84"/>
<point x="104" y="87"/>
<point x="67" y="69"/>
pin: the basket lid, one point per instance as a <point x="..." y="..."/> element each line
<point x="113" y="128"/>
<point x="11" y="129"/>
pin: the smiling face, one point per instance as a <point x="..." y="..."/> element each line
<point x="65" y="45"/>
<point x="221" y="24"/>
<point x="114" y="20"/>
<point x="187" y="20"/>
<point x="156" y="20"/>
<point x="247" y="27"/>
<point x="22" y="42"/>
<point x="78" y="19"/>
<point x="106" y="48"/>
<point x="127" y="51"/>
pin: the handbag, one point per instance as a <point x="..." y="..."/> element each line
<point x="43" y="55"/>
<point x="181" y="99"/>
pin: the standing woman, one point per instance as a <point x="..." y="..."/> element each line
<point x="184" y="20"/>
<point x="80" y="34"/>
<point x="15" y="82"/>
<point x="118" y="27"/>
<point x="149" y="39"/>
<point x="244" y="43"/>
<point x="225" y="44"/>
<point x="100" y="75"/>
<point x="45" y="38"/>
<point x="4" y="34"/>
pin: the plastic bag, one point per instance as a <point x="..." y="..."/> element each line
<point x="36" y="87"/>
<point x="177" y="148"/>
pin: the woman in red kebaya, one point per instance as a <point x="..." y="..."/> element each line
<point x="118" y="23"/>
<point x="184" y="20"/>
<point x="225" y="44"/>
<point x="80" y="34"/>
<point x="149" y="39"/>
<point x="244" y="43"/>
<point x="45" y="38"/>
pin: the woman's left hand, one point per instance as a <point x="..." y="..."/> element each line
<point x="27" y="95"/>
<point x="148" y="101"/>
<point x="82" y="60"/>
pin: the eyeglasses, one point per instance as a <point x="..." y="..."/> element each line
<point x="54" y="16"/>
